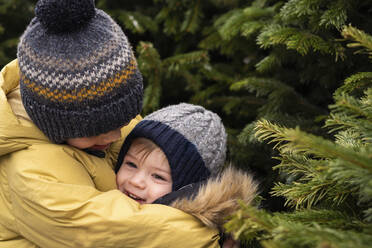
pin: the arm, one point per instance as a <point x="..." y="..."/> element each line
<point x="56" y="204"/>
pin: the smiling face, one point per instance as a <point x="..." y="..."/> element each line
<point x="99" y="142"/>
<point x="145" y="173"/>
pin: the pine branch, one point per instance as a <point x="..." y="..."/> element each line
<point x="262" y="86"/>
<point x="358" y="77"/>
<point x="300" y="167"/>
<point x="339" y="173"/>
<point x="355" y="115"/>
<point x="351" y="106"/>
<point x="298" y="8"/>
<point x="360" y="38"/>
<point x="246" y="136"/>
<point x="150" y="65"/>
<point x="327" y="218"/>
<point x="299" y="229"/>
<point x="350" y="138"/>
<point x="342" y="121"/>
<point x="151" y="98"/>
<point x="358" y="81"/>
<point x="214" y="74"/>
<point x="185" y="61"/>
<point x="300" y="40"/>
<point x="314" y="191"/>
<point x="315" y="182"/>
<point x="295" y="234"/>
<point x="135" y="21"/>
<point x="232" y="25"/>
<point x="278" y="94"/>
<point x="331" y="15"/>
<point x="212" y="42"/>
<point x="206" y="94"/>
<point x="193" y="80"/>
<point x="267" y="63"/>
<point x="234" y="104"/>
<point x="243" y="21"/>
<point x="192" y="18"/>
<point x="248" y="222"/>
<point x="249" y="29"/>
<point x="336" y="15"/>
<point x="295" y="141"/>
<point x="170" y="16"/>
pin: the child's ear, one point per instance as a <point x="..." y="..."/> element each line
<point x="189" y="191"/>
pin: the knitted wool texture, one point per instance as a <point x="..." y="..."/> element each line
<point x="192" y="138"/>
<point x="79" y="77"/>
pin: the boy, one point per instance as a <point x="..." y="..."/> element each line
<point x="181" y="149"/>
<point x="144" y="174"/>
<point x="63" y="104"/>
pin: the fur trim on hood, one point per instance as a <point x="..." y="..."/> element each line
<point x="218" y="198"/>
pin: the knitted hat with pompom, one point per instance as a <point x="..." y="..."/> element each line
<point x="79" y="76"/>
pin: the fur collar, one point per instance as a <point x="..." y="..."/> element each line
<point x="218" y="198"/>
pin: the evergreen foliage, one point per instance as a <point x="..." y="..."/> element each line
<point x="329" y="183"/>
<point x="14" y="16"/>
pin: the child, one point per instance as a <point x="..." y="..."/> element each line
<point x="74" y="90"/>
<point x="181" y="149"/>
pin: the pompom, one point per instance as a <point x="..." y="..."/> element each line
<point x="59" y="16"/>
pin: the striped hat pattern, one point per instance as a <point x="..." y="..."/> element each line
<point x="79" y="76"/>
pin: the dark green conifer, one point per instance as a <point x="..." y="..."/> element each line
<point x="329" y="187"/>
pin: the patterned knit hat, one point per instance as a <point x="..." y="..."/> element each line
<point x="79" y="77"/>
<point x="192" y="138"/>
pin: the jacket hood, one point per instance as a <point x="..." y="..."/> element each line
<point x="218" y="199"/>
<point x="15" y="134"/>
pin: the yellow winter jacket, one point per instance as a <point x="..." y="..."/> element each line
<point x="58" y="196"/>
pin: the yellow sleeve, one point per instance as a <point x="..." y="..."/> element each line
<point x="56" y="204"/>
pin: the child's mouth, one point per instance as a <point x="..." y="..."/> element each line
<point x="134" y="197"/>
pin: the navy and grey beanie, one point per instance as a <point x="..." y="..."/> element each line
<point x="79" y="76"/>
<point x="192" y="138"/>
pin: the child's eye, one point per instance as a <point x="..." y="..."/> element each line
<point x="156" y="176"/>
<point x="130" y="164"/>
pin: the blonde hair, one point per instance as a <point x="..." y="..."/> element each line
<point x="147" y="146"/>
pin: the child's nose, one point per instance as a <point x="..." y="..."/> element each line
<point x="138" y="180"/>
